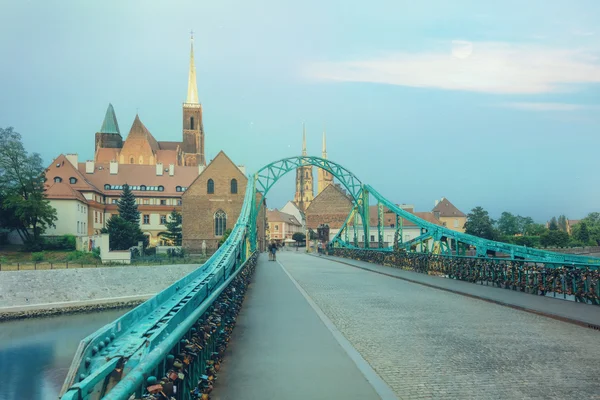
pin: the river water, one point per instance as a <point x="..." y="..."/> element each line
<point x="35" y="354"/>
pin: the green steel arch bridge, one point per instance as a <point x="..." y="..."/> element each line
<point x="122" y="359"/>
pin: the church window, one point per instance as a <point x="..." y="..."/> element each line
<point x="131" y="161"/>
<point x="72" y="180"/>
<point x="220" y="223"/>
<point x="210" y="187"/>
<point x="233" y="186"/>
<point x="57" y="179"/>
<point x="191" y="122"/>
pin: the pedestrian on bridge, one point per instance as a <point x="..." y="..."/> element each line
<point x="272" y="251"/>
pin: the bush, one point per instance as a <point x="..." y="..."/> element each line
<point x="96" y="253"/>
<point x="176" y="252"/>
<point x="37" y="257"/>
<point x="150" y="251"/>
<point x="65" y="242"/>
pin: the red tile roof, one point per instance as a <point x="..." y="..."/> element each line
<point x="63" y="191"/>
<point x="278" y="216"/>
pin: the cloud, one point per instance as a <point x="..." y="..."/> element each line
<point x="548" y="106"/>
<point x="487" y="67"/>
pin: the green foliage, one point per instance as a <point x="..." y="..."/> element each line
<point x="24" y="206"/>
<point x="180" y="252"/>
<point x="225" y="236"/>
<point x="508" y="224"/>
<point x="312" y="235"/>
<point x="299" y="237"/>
<point x="37" y="257"/>
<point x="96" y="253"/>
<point x="562" y="223"/>
<point x="529" y="241"/>
<point x="123" y="234"/>
<point x="534" y="229"/>
<point x="583" y="233"/>
<point x="65" y="242"/>
<point x="173" y="225"/>
<point x="127" y="207"/>
<point x="555" y="238"/>
<point x="553" y="225"/>
<point x="591" y="224"/>
<point x="150" y="251"/>
<point x="480" y="224"/>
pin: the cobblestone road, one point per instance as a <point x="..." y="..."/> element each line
<point x="427" y="343"/>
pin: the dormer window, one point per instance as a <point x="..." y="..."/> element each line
<point x="72" y="180"/>
<point x="178" y="188"/>
<point x="143" y="187"/>
<point x="107" y="187"/>
<point x="57" y="179"/>
<point x="161" y="188"/>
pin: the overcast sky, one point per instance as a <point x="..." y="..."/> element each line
<point x="486" y="103"/>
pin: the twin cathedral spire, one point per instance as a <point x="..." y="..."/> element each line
<point x="304" y="177"/>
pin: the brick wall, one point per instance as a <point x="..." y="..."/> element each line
<point x="199" y="208"/>
<point x="331" y="207"/>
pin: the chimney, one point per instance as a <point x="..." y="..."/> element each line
<point x="436" y="203"/>
<point x="89" y="167"/>
<point x="243" y="169"/>
<point x="72" y="159"/>
<point x="114" y="167"/>
<point x="200" y="169"/>
<point x="159" y="169"/>
<point x="171" y="169"/>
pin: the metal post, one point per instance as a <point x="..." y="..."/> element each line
<point x="365" y="217"/>
<point x="380" y="225"/>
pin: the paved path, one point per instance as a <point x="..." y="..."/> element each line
<point x="583" y="314"/>
<point x="429" y="343"/>
<point x="280" y="349"/>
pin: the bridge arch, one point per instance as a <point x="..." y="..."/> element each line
<point x="266" y="177"/>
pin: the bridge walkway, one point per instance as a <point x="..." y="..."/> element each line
<point x="281" y="349"/>
<point x="423" y="342"/>
<point x="565" y="310"/>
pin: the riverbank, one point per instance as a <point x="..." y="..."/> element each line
<point x="29" y="294"/>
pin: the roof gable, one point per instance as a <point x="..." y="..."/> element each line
<point x="326" y="191"/>
<point x="139" y="130"/>
<point x="61" y="167"/>
<point x="212" y="168"/>
<point x="447" y="209"/>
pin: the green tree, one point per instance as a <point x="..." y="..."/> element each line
<point x="123" y="234"/>
<point x="299" y="237"/>
<point x="583" y="233"/>
<point x="534" y="229"/>
<point x="524" y="223"/>
<point x="555" y="238"/>
<point x="480" y="224"/>
<point x="553" y="224"/>
<point x="24" y="206"/>
<point x="127" y="207"/>
<point x="562" y="223"/>
<point x="508" y="224"/>
<point x="173" y="225"/>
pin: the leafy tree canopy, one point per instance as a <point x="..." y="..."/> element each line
<point x="299" y="237"/>
<point x="480" y="224"/>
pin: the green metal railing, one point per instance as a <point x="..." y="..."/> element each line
<point x="540" y="278"/>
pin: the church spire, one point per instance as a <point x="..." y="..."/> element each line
<point x="110" y="125"/>
<point x="192" y="94"/>
<point x="303" y="140"/>
<point x="324" y="145"/>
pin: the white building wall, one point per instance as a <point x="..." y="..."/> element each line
<point x="72" y="218"/>
<point x="291" y="209"/>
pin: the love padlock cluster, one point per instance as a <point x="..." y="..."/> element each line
<point x="193" y="365"/>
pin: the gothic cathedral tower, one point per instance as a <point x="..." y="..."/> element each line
<point x="304" y="181"/>
<point x="324" y="178"/>
<point x="193" y="129"/>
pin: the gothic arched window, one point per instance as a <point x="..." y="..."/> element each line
<point x="220" y="223"/>
<point x="191" y="122"/>
<point x="131" y="161"/>
<point x="233" y="186"/>
<point x="306" y="175"/>
<point x="210" y="186"/>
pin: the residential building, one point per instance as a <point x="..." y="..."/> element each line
<point x="282" y="226"/>
<point x="97" y="187"/>
<point x="304" y="181"/>
<point x="212" y="203"/>
<point x="450" y="216"/>
<point x="570" y="224"/>
<point x="291" y="208"/>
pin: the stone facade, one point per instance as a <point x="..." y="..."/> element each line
<point x="201" y="208"/>
<point x="330" y="207"/>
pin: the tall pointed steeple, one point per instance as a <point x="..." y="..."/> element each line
<point x="110" y="125"/>
<point x="192" y="94"/>
<point x="324" y="155"/>
<point x="303" y="140"/>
